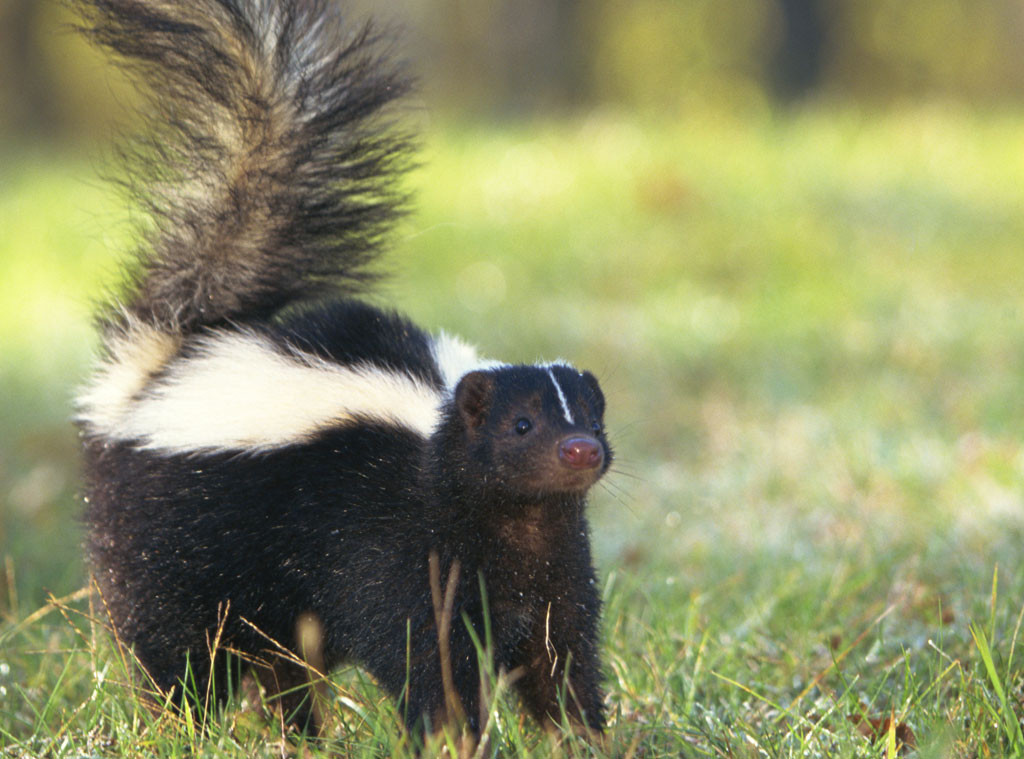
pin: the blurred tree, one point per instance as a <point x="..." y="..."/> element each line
<point x="27" y="105"/>
<point x="514" y="56"/>
<point x="541" y="48"/>
<point x="798" y="63"/>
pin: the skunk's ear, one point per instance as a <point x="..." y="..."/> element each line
<point x="473" y="398"/>
<point x="598" y="397"/>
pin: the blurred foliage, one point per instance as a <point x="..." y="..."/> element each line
<point x="528" y="56"/>
<point x="659" y="53"/>
<point x="960" y="48"/>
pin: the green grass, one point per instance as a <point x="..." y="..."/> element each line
<point x="810" y="329"/>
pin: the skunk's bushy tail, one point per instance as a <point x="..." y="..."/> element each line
<point x="267" y="171"/>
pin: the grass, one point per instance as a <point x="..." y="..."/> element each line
<point x="810" y="331"/>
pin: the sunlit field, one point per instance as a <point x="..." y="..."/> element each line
<point x="810" y="329"/>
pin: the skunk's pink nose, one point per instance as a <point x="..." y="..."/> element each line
<point x="581" y="452"/>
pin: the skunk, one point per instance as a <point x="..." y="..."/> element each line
<point x="262" y="446"/>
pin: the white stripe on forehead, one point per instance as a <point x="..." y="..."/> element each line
<point x="561" y="397"/>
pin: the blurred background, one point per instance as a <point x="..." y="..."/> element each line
<point x="785" y="233"/>
<point x="527" y="58"/>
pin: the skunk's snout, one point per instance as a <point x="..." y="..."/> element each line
<point x="581" y="452"/>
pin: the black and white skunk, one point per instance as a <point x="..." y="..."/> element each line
<point x="261" y="446"/>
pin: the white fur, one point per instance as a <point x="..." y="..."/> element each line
<point x="561" y="397"/>
<point x="456" y="358"/>
<point x="135" y="355"/>
<point x="241" y="393"/>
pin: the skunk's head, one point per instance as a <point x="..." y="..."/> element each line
<point x="532" y="430"/>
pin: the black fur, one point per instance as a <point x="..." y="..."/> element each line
<point x="351" y="332"/>
<point x="343" y="527"/>
<point x="248" y="232"/>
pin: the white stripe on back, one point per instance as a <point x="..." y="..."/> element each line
<point x="238" y="392"/>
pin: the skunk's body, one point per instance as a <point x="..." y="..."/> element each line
<point x="256" y="452"/>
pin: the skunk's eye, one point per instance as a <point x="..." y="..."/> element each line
<point x="596" y="427"/>
<point x="523" y="426"/>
